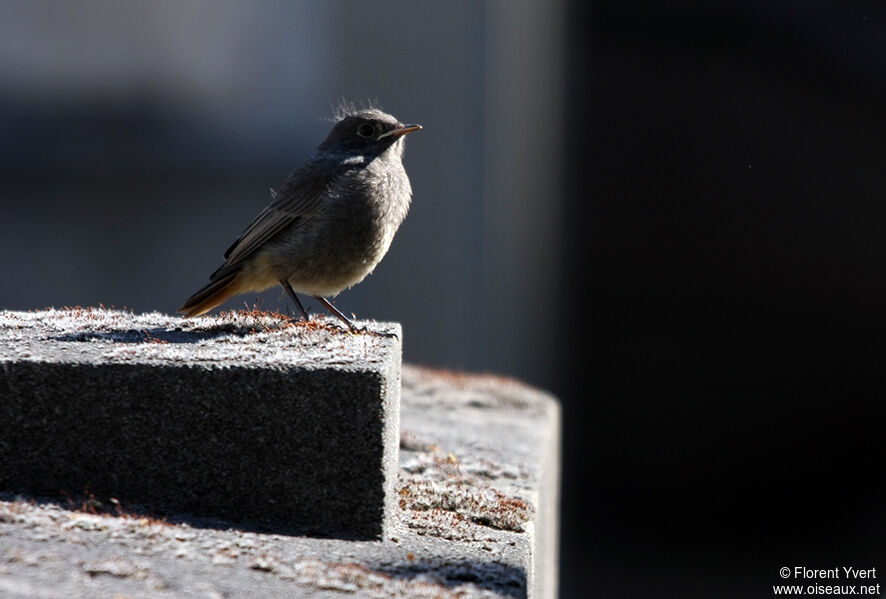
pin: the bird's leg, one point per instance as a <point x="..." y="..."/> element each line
<point x="292" y="295"/>
<point x="336" y="311"/>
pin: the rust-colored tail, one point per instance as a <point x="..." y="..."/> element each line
<point x="212" y="295"/>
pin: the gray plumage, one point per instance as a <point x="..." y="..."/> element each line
<point x="331" y="222"/>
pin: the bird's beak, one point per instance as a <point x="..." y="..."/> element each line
<point x="401" y="130"/>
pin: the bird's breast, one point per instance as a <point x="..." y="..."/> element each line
<point x="344" y="241"/>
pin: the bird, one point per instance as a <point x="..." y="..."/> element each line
<point x="330" y="223"/>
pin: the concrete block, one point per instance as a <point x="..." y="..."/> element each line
<point x="475" y="492"/>
<point x="244" y="416"/>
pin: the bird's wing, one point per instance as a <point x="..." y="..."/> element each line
<point x="299" y="198"/>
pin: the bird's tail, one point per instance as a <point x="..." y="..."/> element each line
<point x="212" y="295"/>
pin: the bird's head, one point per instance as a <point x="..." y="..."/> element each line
<point x="367" y="132"/>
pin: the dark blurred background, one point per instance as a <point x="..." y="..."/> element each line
<point x="670" y="214"/>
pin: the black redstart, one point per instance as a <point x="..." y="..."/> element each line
<point x="329" y="225"/>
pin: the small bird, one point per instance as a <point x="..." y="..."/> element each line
<point x="329" y="225"/>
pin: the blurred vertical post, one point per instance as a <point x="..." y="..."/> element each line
<point x="523" y="190"/>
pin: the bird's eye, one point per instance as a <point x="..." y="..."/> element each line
<point x="365" y="130"/>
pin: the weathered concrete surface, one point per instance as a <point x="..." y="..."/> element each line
<point x="495" y="440"/>
<point x="245" y="416"/>
<point x="475" y="516"/>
